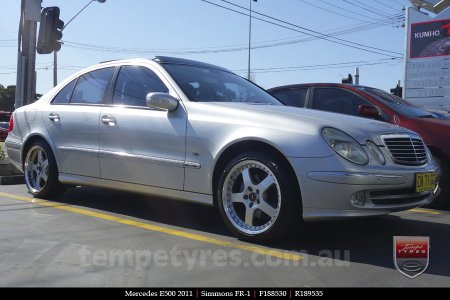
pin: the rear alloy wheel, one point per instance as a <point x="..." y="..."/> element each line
<point x="40" y="171"/>
<point x="253" y="198"/>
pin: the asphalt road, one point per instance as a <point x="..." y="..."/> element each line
<point x="93" y="237"/>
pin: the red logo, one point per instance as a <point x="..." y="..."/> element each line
<point x="446" y="26"/>
<point x="411" y="254"/>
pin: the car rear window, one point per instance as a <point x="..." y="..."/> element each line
<point x="292" y="96"/>
<point x="91" y="87"/>
<point x="63" y="97"/>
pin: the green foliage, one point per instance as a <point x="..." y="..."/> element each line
<point x="2" y="153"/>
<point x="7" y="96"/>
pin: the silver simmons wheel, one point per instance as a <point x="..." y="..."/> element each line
<point x="251" y="197"/>
<point x="40" y="170"/>
<point x="36" y="169"/>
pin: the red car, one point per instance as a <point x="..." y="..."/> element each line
<point x="380" y="105"/>
<point x="3" y="131"/>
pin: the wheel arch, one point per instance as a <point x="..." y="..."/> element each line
<point x="29" y="141"/>
<point x="250" y="145"/>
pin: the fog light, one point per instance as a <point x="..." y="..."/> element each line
<point x="358" y="199"/>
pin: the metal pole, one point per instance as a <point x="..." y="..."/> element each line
<point x="26" y="53"/>
<point x="19" y="79"/>
<point x="28" y="63"/>
<point x="405" y="51"/>
<point x="31" y="84"/>
<point x="55" y="68"/>
<point x="249" y="40"/>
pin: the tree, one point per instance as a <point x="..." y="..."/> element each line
<point x="7" y="96"/>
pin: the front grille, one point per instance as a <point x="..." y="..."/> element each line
<point x="406" y="149"/>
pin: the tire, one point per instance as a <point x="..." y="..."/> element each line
<point x="257" y="199"/>
<point x="443" y="200"/>
<point x="41" y="171"/>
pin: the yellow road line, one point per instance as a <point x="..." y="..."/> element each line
<point x="155" y="228"/>
<point x="425" y="211"/>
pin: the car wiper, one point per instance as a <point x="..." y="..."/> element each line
<point x="427" y="117"/>
<point x="259" y="103"/>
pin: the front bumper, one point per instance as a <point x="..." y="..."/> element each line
<point x="359" y="191"/>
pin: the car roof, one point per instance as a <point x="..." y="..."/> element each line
<point x="183" y="61"/>
<point x="344" y="85"/>
<point x="165" y="60"/>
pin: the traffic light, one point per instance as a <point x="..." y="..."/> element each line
<point x="50" y="31"/>
<point x="348" y="80"/>
<point x="397" y="91"/>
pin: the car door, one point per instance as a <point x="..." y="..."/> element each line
<point x="72" y="120"/>
<point x="139" y="144"/>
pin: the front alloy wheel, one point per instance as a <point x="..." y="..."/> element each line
<point x="252" y="197"/>
<point x="254" y="200"/>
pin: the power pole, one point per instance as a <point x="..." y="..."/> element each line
<point x="55" y="68"/>
<point x="357" y="76"/>
<point x="30" y="14"/>
<point x="250" y="40"/>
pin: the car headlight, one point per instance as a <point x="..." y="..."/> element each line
<point x="345" y="146"/>
<point x="375" y="152"/>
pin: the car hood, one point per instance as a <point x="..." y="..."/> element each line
<point x="359" y="128"/>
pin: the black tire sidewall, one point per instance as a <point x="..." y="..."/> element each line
<point x="290" y="206"/>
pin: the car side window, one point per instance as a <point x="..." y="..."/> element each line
<point x="64" y="95"/>
<point x="293" y="96"/>
<point x="337" y="100"/>
<point x="134" y="83"/>
<point x="91" y="87"/>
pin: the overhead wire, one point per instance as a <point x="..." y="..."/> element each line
<point x="311" y="32"/>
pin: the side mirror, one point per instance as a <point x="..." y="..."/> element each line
<point x="162" y="101"/>
<point x="369" y="111"/>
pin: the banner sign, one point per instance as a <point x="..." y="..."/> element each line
<point x="430" y="39"/>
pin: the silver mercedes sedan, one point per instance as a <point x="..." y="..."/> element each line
<point x="196" y="132"/>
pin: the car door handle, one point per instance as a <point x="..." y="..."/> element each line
<point x="53" y="117"/>
<point x="109" y="120"/>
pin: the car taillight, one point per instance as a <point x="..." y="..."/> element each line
<point x="11" y="124"/>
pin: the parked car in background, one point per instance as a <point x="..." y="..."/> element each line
<point x="379" y="105"/>
<point x="197" y="132"/>
<point x="4" y="116"/>
<point x="3" y="131"/>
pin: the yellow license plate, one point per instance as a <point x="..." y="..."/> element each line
<point x="425" y="181"/>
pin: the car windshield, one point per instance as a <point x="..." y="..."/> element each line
<point x="398" y="104"/>
<point x="203" y="84"/>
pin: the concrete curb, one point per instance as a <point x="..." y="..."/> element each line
<point x="9" y="175"/>
<point x="12" y="180"/>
